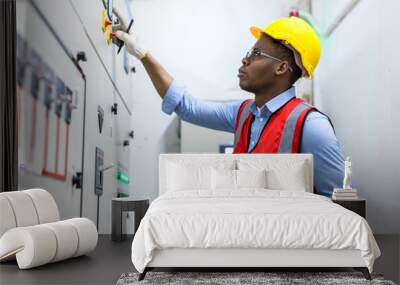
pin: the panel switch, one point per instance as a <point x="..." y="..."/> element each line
<point x="108" y="34"/>
<point x="105" y="22"/>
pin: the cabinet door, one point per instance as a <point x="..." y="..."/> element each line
<point x="50" y="112"/>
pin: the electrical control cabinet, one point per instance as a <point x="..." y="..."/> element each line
<point x="50" y="95"/>
<point x="63" y="145"/>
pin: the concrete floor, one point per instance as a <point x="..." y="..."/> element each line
<point x="102" y="266"/>
<point x="388" y="263"/>
<point x="111" y="259"/>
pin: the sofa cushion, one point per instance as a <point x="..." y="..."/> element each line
<point x="7" y="220"/>
<point x="32" y="246"/>
<point x="67" y="239"/>
<point x="45" y="205"/>
<point x="40" y="244"/>
<point x="87" y="234"/>
<point x="23" y="208"/>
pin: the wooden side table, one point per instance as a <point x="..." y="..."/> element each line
<point x="139" y="206"/>
<point x="358" y="206"/>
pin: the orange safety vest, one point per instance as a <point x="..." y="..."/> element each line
<point x="281" y="134"/>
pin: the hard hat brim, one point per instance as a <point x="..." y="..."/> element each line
<point x="256" y="32"/>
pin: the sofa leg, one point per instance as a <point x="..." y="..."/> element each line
<point x="364" y="271"/>
<point x="142" y="275"/>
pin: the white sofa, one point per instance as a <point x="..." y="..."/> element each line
<point x="31" y="231"/>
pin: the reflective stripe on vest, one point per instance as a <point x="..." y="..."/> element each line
<point x="243" y="116"/>
<point x="286" y="142"/>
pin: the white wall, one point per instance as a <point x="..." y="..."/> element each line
<point x="201" y="43"/>
<point x="356" y="85"/>
<point x="197" y="139"/>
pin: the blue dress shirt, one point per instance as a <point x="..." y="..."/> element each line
<point x="318" y="136"/>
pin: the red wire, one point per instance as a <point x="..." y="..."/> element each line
<point x="33" y="131"/>
<point x="66" y="151"/>
<point x="56" y="175"/>
<point x="46" y="138"/>
<point x="57" y="142"/>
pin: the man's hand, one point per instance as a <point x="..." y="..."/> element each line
<point x="159" y="76"/>
<point x="131" y="40"/>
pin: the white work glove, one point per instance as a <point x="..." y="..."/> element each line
<point x="131" y="40"/>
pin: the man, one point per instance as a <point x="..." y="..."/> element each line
<point x="275" y="121"/>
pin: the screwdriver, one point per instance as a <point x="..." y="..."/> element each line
<point x="127" y="31"/>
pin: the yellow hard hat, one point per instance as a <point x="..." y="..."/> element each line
<point x="297" y="34"/>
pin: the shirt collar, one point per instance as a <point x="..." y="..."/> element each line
<point x="274" y="104"/>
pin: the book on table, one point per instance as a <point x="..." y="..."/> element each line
<point x="344" y="194"/>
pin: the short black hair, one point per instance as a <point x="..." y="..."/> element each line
<point x="285" y="53"/>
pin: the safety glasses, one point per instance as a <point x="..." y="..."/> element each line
<point x="255" y="52"/>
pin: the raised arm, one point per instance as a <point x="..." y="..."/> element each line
<point x="159" y="76"/>
<point x="218" y="116"/>
<point x="214" y="115"/>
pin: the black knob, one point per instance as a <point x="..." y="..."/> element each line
<point x="77" y="180"/>
<point x="81" y="56"/>
<point x="114" y="108"/>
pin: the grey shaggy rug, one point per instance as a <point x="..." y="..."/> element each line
<point x="243" y="278"/>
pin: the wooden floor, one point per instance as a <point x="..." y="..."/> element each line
<point x="111" y="259"/>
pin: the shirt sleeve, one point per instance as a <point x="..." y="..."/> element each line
<point x="217" y="116"/>
<point x="319" y="139"/>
